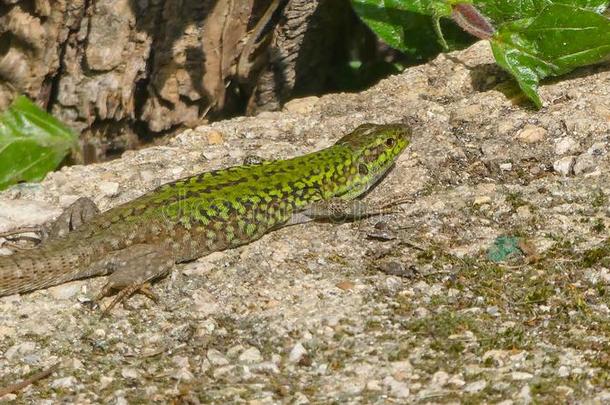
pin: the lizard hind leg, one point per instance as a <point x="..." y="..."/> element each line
<point x="133" y="269"/>
<point x="76" y="214"/>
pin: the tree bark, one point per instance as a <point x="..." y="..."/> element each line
<point x="122" y="71"/>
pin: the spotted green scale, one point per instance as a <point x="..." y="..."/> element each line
<point x="216" y="210"/>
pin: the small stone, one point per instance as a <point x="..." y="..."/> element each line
<point x="507" y="167"/>
<point x="373" y="385"/>
<point x="99" y="333"/>
<point x="297" y="353"/>
<point x="421" y="312"/>
<point x="20" y="349"/>
<point x="301" y="105"/>
<point x="64" y="382"/>
<point x="183" y="375"/>
<point x="214" y="137"/>
<point x="397" y="388"/>
<point x="108" y="188"/>
<point x="65" y="291"/>
<point x="251" y="355"/>
<point x="597" y="149"/>
<point x="105" y="381"/>
<point x="120" y="400"/>
<point x="265" y="367"/>
<point x="483" y="199"/>
<point x="563" y="371"/>
<point x="128" y="372"/>
<point x="520" y="375"/>
<point x="181" y="361"/>
<point x="566" y="145"/>
<point x="493" y="311"/>
<point x="476" y="386"/>
<point x="585" y="163"/>
<point x="523" y="212"/>
<point x="531" y="134"/>
<point x="216" y="358"/>
<point x="299" y="399"/>
<point x="525" y="394"/>
<point x="564" y="165"/>
<point x="439" y="379"/>
<point x="393" y="285"/>
<point x="345" y="285"/>
<point x="457" y="381"/>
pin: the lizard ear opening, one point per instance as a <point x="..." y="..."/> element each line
<point x="363" y="170"/>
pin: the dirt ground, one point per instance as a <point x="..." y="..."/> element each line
<point x="492" y="285"/>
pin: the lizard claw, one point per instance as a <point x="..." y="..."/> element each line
<point x="124" y="294"/>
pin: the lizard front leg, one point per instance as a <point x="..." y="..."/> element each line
<point x="132" y="270"/>
<point x="340" y="210"/>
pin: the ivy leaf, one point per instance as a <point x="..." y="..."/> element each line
<point x="32" y="143"/>
<point x="556" y="41"/>
<point x="408" y="25"/>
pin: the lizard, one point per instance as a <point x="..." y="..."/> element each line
<point x="141" y="240"/>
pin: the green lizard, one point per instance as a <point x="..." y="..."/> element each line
<point x="141" y="240"/>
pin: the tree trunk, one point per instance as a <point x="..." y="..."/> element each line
<point x="122" y="71"/>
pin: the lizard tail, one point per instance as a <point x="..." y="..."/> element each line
<point x="40" y="268"/>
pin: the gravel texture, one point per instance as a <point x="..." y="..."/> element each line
<point x="405" y="308"/>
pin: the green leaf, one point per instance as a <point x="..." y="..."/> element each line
<point x="32" y="143"/>
<point x="556" y="41"/>
<point x="407" y="25"/>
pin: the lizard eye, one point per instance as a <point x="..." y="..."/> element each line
<point x="362" y="169"/>
<point x="390" y="142"/>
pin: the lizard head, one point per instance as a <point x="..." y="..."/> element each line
<point x="374" y="149"/>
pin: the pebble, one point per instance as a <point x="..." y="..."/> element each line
<point x="440" y="378"/>
<point x="523" y="212"/>
<point x="105" y="381"/>
<point x="297" y="353"/>
<point x="483" y="199"/>
<point x="531" y="134"/>
<point x="216" y="358"/>
<point x="251" y="355"/>
<point x="585" y="163"/>
<point x="20" y="349"/>
<point x="397" y="388"/>
<point x="108" y="188"/>
<point x="128" y="372"/>
<point x="563" y="371"/>
<point x="65" y="291"/>
<point x="300" y="399"/>
<point x="265" y="367"/>
<point x="214" y="137"/>
<point x="566" y="145"/>
<point x="301" y="105"/>
<point x="64" y="382"/>
<point x="520" y="375"/>
<point x="373" y="385"/>
<point x="493" y="311"/>
<point x="564" y="165"/>
<point x="525" y="394"/>
<point x="476" y="386"/>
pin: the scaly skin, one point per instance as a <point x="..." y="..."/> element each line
<point x="212" y="211"/>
